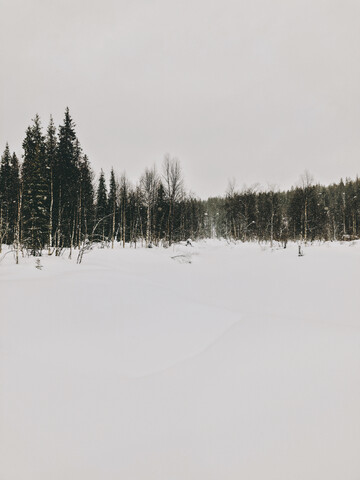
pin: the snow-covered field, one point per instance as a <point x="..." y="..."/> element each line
<point x="243" y="364"/>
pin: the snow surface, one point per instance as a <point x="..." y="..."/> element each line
<point x="243" y="364"/>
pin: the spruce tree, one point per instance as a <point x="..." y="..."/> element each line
<point x="86" y="200"/>
<point x="112" y="207"/>
<point x="15" y="194"/>
<point x="5" y="196"/>
<point x="124" y="210"/>
<point x="101" y="207"/>
<point x="161" y="212"/>
<point x="35" y="189"/>
<point x="51" y="152"/>
<point x="67" y="182"/>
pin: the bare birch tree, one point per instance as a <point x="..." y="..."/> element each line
<point x="149" y="183"/>
<point x="174" y="189"/>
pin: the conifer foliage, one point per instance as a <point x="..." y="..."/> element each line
<point x="5" y="196"/>
<point x="102" y="206"/>
<point x="35" y="211"/>
<point x="49" y="201"/>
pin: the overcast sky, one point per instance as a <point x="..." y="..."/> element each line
<point x="257" y="90"/>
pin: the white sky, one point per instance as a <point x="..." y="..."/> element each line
<point x="258" y="90"/>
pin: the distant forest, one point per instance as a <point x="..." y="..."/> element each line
<point x="50" y="200"/>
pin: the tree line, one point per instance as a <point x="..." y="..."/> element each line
<point x="307" y="212"/>
<point x="50" y="200"/>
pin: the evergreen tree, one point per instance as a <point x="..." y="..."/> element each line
<point x="51" y="156"/>
<point x="112" y="207"/>
<point x="67" y="182"/>
<point x="86" y="200"/>
<point x="160" y="213"/>
<point x="124" y="210"/>
<point x="35" y="189"/>
<point x="15" y="193"/>
<point x="5" y="196"/>
<point x="102" y="207"/>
